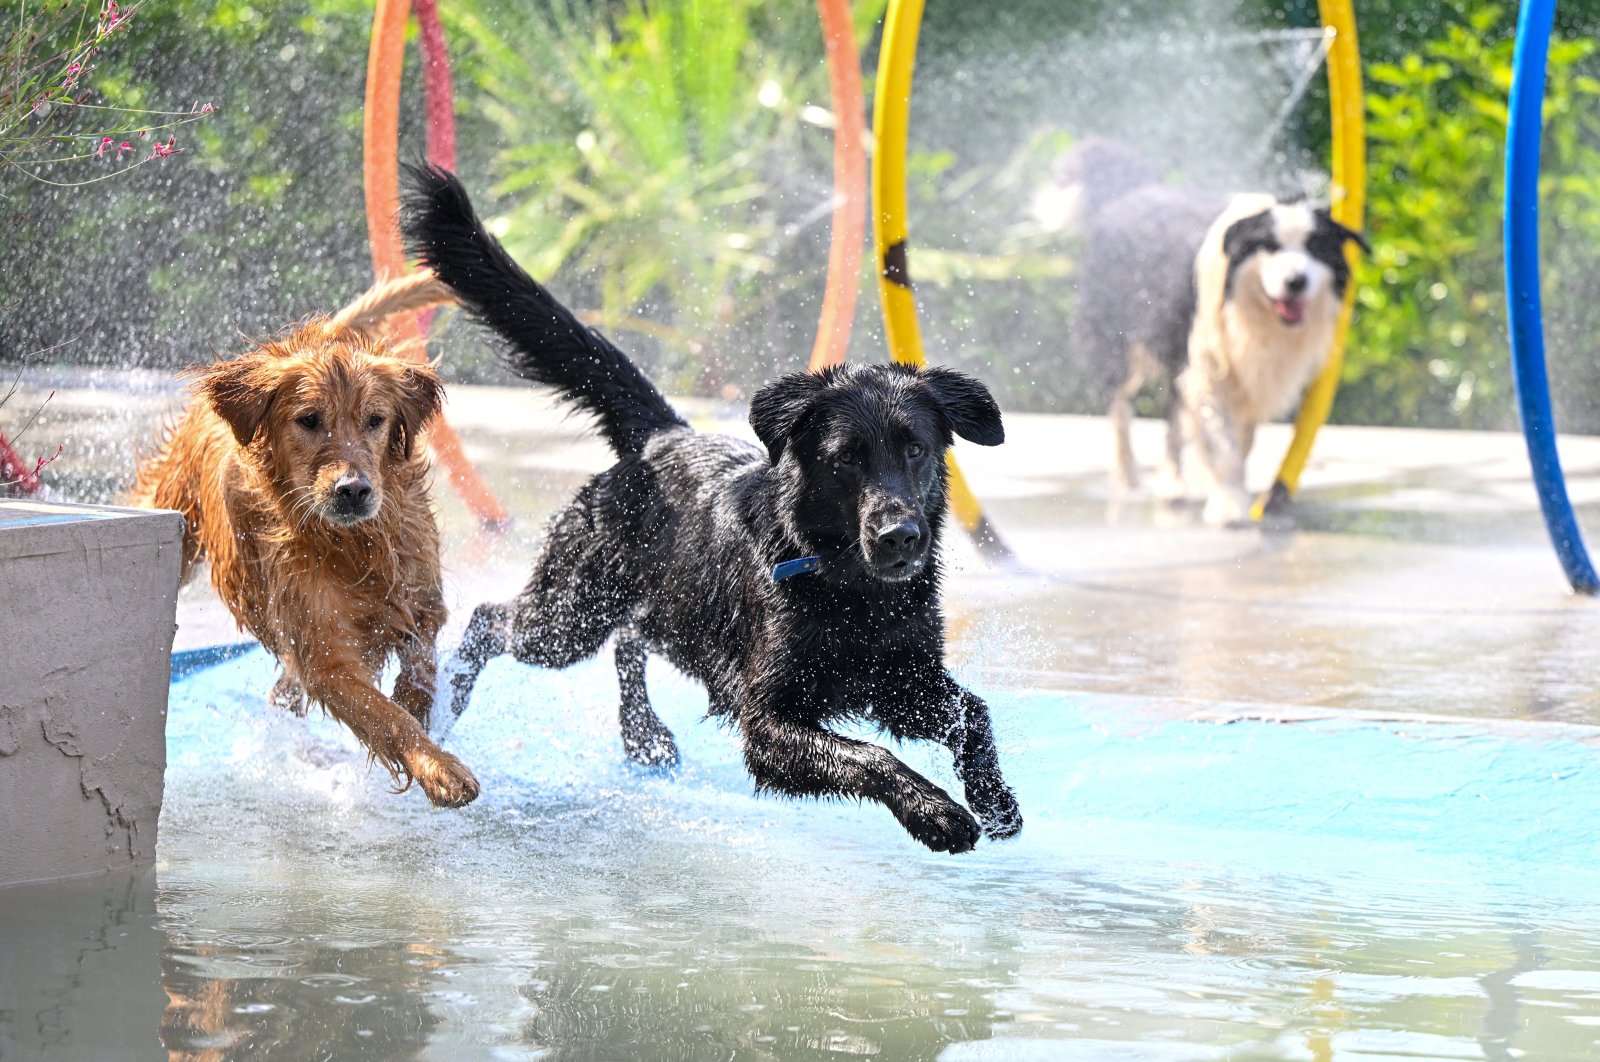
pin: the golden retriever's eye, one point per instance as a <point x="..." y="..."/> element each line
<point x="375" y="422"/>
<point x="310" y="422"/>
<point x="915" y="450"/>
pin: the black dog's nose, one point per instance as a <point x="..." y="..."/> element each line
<point x="1296" y="284"/>
<point x="353" y="488"/>
<point x="900" y="538"/>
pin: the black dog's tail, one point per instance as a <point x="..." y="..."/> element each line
<point x="548" y="344"/>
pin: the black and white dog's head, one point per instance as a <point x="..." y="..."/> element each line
<point x="1287" y="256"/>
<point x="860" y="452"/>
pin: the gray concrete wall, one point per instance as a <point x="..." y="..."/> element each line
<point x="87" y="603"/>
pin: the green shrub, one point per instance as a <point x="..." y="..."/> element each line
<point x="659" y="160"/>
<point x="1429" y="345"/>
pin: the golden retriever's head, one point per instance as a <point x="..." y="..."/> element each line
<point x="326" y="413"/>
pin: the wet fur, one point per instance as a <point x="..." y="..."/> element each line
<point x="672" y="550"/>
<point x="333" y="600"/>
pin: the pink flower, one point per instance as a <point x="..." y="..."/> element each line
<point x="123" y="148"/>
<point x="110" y="17"/>
<point x="104" y="143"/>
<point x="161" y="151"/>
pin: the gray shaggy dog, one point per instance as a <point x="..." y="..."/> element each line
<point x="1136" y="288"/>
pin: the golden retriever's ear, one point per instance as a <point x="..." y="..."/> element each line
<point x="242" y="392"/>
<point x="421" y="396"/>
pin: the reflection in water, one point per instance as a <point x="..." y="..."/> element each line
<point x="779" y="1003"/>
<point x="80" y="969"/>
<point x="1504" y="1020"/>
<point x="1181" y="891"/>
<point x="245" y="996"/>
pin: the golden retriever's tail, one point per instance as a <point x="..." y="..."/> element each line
<point x="414" y="291"/>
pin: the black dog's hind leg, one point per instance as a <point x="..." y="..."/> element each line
<point x="644" y="736"/>
<point x="959" y="720"/>
<point x="485" y="639"/>
<point x="565" y="613"/>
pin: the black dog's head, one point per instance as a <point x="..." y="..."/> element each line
<point x="860" y="452"/>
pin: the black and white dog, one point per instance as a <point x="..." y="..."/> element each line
<point x="1229" y="304"/>
<point x="1269" y="279"/>
<point x="799" y="582"/>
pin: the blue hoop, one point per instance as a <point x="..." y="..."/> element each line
<point x="1523" y="132"/>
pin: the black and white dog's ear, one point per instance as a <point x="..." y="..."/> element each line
<point x="1343" y="232"/>
<point x="1248" y="235"/>
<point x="777" y="408"/>
<point x="973" y="413"/>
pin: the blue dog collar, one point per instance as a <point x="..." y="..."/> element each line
<point x="799" y="566"/>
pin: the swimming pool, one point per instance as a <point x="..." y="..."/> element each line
<point x="1182" y="890"/>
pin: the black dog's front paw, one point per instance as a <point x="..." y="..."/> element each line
<point x="939" y="822"/>
<point x="997" y="810"/>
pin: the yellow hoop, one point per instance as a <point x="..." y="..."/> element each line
<point x="1348" y="206"/>
<point x="891" y="118"/>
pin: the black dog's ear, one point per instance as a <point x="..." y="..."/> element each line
<point x="777" y="407"/>
<point x="1343" y="232"/>
<point x="972" y="410"/>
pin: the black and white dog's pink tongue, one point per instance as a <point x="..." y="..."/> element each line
<point x="1290" y="311"/>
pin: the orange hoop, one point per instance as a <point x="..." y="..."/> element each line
<point x="849" y="186"/>
<point x="380" y="135"/>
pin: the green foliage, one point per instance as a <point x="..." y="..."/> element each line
<point x="659" y="160"/>
<point x="255" y="221"/>
<point x="1429" y="340"/>
<point x="667" y="165"/>
<point x="50" y="110"/>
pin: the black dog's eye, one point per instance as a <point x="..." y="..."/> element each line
<point x="915" y="450"/>
<point x="845" y="457"/>
<point x="375" y="422"/>
<point x="310" y="422"/>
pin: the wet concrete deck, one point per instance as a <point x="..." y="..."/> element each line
<point x="1417" y="577"/>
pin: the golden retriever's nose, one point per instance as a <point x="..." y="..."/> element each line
<point x="352" y="495"/>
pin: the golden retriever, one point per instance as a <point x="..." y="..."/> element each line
<point x="298" y="470"/>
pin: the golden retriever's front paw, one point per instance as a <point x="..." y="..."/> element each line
<point x="446" y="780"/>
<point x="288" y="695"/>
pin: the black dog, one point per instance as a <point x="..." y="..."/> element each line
<point x="800" y="585"/>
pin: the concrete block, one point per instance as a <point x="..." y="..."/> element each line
<point x="88" y="597"/>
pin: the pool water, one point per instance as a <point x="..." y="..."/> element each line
<point x="1182" y="890"/>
